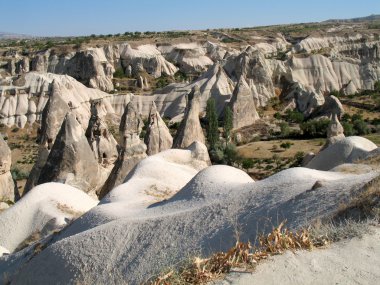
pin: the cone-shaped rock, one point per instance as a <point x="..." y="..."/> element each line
<point x="52" y="117"/>
<point x="335" y="131"/>
<point x="71" y="160"/>
<point x="7" y="186"/>
<point x="101" y="141"/>
<point x="243" y="106"/>
<point x="133" y="150"/>
<point x="190" y="129"/>
<point x="158" y="137"/>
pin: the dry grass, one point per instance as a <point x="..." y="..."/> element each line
<point x="203" y="270"/>
<point x="69" y="210"/>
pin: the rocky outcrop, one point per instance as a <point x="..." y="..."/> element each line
<point x="256" y="69"/>
<point x="311" y="104"/>
<point x="7" y="186"/>
<point x="25" y="98"/>
<point x="157" y="137"/>
<point x="242" y="106"/>
<point x="71" y="160"/>
<point x="190" y="129"/>
<point x="95" y="71"/>
<point x="66" y="94"/>
<point x="146" y="58"/>
<point x="191" y="58"/>
<point x="335" y="131"/>
<point x="133" y="149"/>
<point x="101" y="141"/>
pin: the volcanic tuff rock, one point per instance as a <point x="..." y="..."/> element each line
<point x="101" y="141"/>
<point x="71" y="160"/>
<point x="190" y="129"/>
<point x="133" y="149"/>
<point x="190" y="57"/>
<point x="157" y="137"/>
<point x="146" y="58"/>
<point x="335" y="131"/>
<point x="344" y="150"/>
<point x="7" y="186"/>
<point x="256" y="69"/>
<point x="311" y="104"/>
<point x="242" y="105"/>
<point x="202" y="218"/>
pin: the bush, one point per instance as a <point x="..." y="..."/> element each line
<point x="293" y="116"/>
<point x="286" y="145"/>
<point x="247" y="163"/>
<point x="348" y="129"/>
<point x="315" y="128"/>
<point x="285" y="130"/>
<point x="18" y="174"/>
<point x="119" y="73"/>
<point x="361" y="127"/>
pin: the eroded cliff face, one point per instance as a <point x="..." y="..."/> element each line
<point x="7" y="186"/>
<point x="329" y="60"/>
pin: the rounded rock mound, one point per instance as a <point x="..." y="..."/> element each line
<point x="346" y="150"/>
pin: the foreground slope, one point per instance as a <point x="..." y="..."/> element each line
<point x="202" y="218"/>
<point x="354" y="261"/>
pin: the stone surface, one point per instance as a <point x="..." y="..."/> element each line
<point x="71" y="160"/>
<point x="132" y="151"/>
<point x="243" y="106"/>
<point x="7" y="186"/>
<point x="190" y="129"/>
<point x="101" y="141"/>
<point x="157" y="137"/>
<point x="335" y="131"/>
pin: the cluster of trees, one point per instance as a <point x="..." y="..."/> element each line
<point x="222" y="151"/>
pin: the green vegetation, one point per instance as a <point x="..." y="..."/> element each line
<point x="119" y="73"/>
<point x="315" y="128"/>
<point x="18" y="174"/>
<point x="212" y="124"/>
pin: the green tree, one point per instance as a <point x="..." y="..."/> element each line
<point x="212" y="125"/>
<point x="285" y="130"/>
<point x="227" y="123"/>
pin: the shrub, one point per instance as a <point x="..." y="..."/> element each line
<point x="18" y="174"/>
<point x="286" y="145"/>
<point x="348" y="128"/>
<point x="315" y="128"/>
<point x="293" y="116"/>
<point x="119" y="73"/>
<point x="247" y="163"/>
<point x="361" y="127"/>
<point x="285" y="130"/>
<point x="377" y="86"/>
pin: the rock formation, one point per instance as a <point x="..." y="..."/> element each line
<point x="102" y="142"/>
<point x="7" y="186"/>
<point x="146" y="58"/>
<point x="71" y="160"/>
<point x="133" y="149"/>
<point x="157" y="137"/>
<point x="242" y="105"/>
<point x="335" y="131"/>
<point x="310" y="103"/>
<point x="190" y="129"/>
<point x="256" y="69"/>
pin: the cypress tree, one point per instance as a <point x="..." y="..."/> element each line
<point x="212" y="126"/>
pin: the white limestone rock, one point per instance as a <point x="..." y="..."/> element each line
<point x="157" y="137"/>
<point x="243" y="106"/>
<point x="190" y="129"/>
